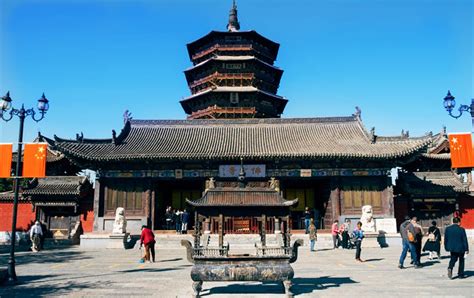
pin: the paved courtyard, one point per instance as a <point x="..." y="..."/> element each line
<point x="325" y="273"/>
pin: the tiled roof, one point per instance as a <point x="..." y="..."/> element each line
<point x="51" y="155"/>
<point x="427" y="183"/>
<point x="57" y="185"/>
<point x="231" y="58"/>
<point x="257" y="139"/>
<point x="241" y="197"/>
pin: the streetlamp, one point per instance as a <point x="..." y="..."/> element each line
<point x="450" y="103"/>
<point x="7" y="113"/>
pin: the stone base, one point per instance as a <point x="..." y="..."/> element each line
<point x="380" y="239"/>
<point x="101" y="241"/>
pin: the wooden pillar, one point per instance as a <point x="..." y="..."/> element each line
<point x="277" y="225"/>
<point x="264" y="230"/>
<point x="153" y="209"/>
<point x="97" y="194"/>
<point x="221" y="230"/>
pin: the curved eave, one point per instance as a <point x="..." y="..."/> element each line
<point x="191" y="47"/>
<point x="236" y="156"/>
<point x="196" y="67"/>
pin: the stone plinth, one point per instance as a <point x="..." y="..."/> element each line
<point x="102" y="241"/>
<point x="386" y="225"/>
<point x="381" y="239"/>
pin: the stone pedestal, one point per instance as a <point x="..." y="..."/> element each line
<point x="117" y="240"/>
<point x="386" y="225"/>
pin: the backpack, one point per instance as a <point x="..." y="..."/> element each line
<point x="410" y="235"/>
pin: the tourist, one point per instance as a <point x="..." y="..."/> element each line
<point x="335" y="233"/>
<point x="407" y="232"/>
<point x="358" y="235"/>
<point x="312" y="234"/>
<point x="344" y="230"/>
<point x="455" y="241"/>
<point x="147" y="238"/>
<point x="169" y="218"/>
<point x="433" y="244"/>
<point x="184" y="219"/>
<point x="177" y="220"/>
<point x="418" y="241"/>
<point x="35" y="235"/>
<point x="307" y="217"/>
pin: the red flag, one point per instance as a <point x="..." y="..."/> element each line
<point x="34" y="160"/>
<point x="5" y="160"/>
<point x="462" y="155"/>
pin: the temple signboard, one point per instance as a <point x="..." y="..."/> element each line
<point x="251" y="171"/>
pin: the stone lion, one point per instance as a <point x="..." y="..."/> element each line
<point x="120" y="223"/>
<point x="367" y="219"/>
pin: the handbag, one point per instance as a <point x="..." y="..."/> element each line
<point x="410" y="236"/>
<point x="431" y="237"/>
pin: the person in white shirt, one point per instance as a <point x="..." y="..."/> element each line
<point x="35" y="235"/>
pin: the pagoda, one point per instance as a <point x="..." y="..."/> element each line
<point x="233" y="75"/>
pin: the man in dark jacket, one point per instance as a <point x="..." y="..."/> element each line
<point x="455" y="241"/>
<point x="405" y="227"/>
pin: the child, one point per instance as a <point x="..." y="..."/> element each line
<point x="358" y="235"/>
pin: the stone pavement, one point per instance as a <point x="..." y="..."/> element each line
<point x="325" y="273"/>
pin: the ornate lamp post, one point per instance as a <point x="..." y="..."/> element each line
<point x="450" y="103"/>
<point x="7" y="113"/>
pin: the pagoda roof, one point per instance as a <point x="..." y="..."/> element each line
<point x="231" y="139"/>
<point x="58" y="186"/>
<point x="193" y="46"/>
<point x="237" y="89"/>
<point x="232" y="58"/>
<point x="241" y="197"/>
<point x="429" y="183"/>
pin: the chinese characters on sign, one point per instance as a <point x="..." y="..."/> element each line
<point x="254" y="171"/>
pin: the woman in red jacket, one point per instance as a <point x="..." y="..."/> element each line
<point x="148" y="238"/>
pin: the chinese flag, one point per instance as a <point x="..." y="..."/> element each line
<point x="34" y="160"/>
<point x="5" y="160"/>
<point x="462" y="155"/>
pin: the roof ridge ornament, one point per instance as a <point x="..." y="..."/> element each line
<point x="358" y="113"/>
<point x="233" y="25"/>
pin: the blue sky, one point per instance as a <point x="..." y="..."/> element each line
<point x="395" y="59"/>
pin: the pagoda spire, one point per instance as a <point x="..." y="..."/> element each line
<point x="233" y="24"/>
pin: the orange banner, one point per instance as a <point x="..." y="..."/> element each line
<point x="5" y="160"/>
<point x="34" y="160"/>
<point x="462" y="155"/>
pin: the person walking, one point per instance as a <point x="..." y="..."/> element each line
<point x="169" y="218"/>
<point x="335" y="233"/>
<point x="358" y="235"/>
<point x="35" y="235"/>
<point x="345" y="228"/>
<point x="312" y="234"/>
<point x="147" y="238"/>
<point x="185" y="220"/>
<point x="177" y="221"/>
<point x="433" y="243"/>
<point x="455" y="241"/>
<point x="307" y="217"/>
<point x="407" y="232"/>
<point x="418" y="241"/>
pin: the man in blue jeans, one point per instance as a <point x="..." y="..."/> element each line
<point x="406" y="226"/>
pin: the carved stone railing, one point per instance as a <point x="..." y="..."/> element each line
<point x="274" y="251"/>
<point x="211" y="252"/>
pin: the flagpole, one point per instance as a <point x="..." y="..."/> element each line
<point x="12" y="278"/>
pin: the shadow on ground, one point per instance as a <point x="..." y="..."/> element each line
<point x="44" y="257"/>
<point x="301" y="285"/>
<point x="27" y="288"/>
